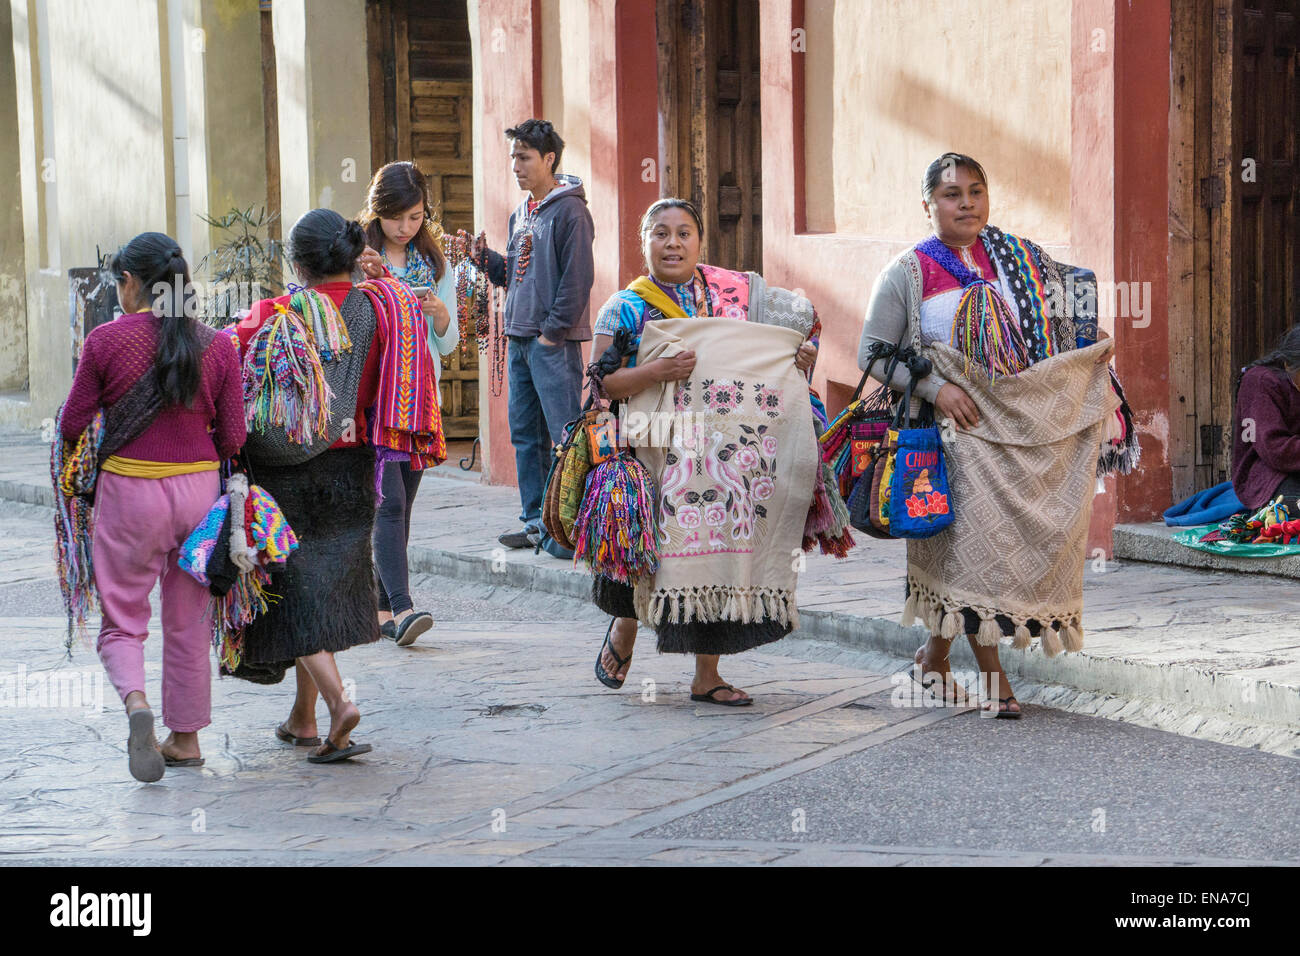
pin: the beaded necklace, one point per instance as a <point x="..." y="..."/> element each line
<point x="478" y="305"/>
<point x="526" y="243"/>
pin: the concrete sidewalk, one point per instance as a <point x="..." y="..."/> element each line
<point x="1210" y="654"/>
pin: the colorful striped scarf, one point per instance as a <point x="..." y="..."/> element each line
<point x="407" y="420"/>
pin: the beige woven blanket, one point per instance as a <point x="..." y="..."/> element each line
<point x="734" y="457"/>
<point x="1022" y="486"/>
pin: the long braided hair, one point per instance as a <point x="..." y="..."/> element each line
<point x="156" y="260"/>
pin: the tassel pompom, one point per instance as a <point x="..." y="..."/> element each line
<point x="1022" y="638"/>
<point x="951" y="626"/>
<point x="1072" y="637"/>
<point x="1052" y="645"/>
<point x="909" y="611"/>
<point x="989" y="633"/>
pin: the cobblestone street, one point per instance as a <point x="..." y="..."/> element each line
<point x="494" y="744"/>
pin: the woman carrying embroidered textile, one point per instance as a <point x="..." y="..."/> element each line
<point x="326" y="590"/>
<point x="677" y="285"/>
<point x="403" y="240"/>
<point x="1266" y="443"/>
<point x="173" y="405"/>
<point x="1031" y="403"/>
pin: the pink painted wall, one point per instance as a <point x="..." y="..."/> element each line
<point x="508" y="77"/>
<point x="1142" y="71"/>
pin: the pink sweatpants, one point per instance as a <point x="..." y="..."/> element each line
<point x="140" y="524"/>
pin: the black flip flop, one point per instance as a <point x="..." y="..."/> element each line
<point x="1008" y="714"/>
<point x="334" y="754"/>
<point x="183" y="761"/>
<point x="601" y="675"/>
<point x="710" y="699"/>
<point x="282" y="733"/>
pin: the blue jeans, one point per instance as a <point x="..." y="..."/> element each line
<point x="545" y="395"/>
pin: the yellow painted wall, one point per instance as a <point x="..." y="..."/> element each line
<point x="13" y="259"/>
<point x="323" y="106"/>
<point x="91" y="159"/>
<point x="890" y="86"/>
<point x="566" y="81"/>
<point x="228" y="141"/>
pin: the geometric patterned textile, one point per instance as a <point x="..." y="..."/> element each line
<point x="1022" y="485"/>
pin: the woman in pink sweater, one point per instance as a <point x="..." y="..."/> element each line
<point x="179" y="383"/>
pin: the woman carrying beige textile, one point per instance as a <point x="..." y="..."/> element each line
<point x="1029" y="401"/>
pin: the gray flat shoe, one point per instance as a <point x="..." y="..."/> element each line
<point x="144" y="758"/>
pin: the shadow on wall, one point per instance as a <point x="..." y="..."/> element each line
<point x="998" y="151"/>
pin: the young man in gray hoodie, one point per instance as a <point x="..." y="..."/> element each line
<point x="547" y="272"/>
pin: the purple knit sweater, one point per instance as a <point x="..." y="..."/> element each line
<point x="1268" y="398"/>
<point x="114" y="357"/>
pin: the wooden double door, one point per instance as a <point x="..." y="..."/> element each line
<point x="711" y="144"/>
<point x="1235" y="79"/>
<point x="421" y="109"/>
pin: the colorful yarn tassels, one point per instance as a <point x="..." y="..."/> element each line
<point x="987" y="333"/>
<point x="324" y="323"/>
<point x="235" y="610"/>
<point x="73" y="470"/>
<point x="616" y="532"/>
<point x="827" y="525"/>
<point x="284" y="384"/>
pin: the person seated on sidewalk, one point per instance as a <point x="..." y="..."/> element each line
<point x="1266" y="442"/>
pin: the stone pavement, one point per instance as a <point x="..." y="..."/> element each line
<point x="495" y="745"/>
<point x="1204" y="653"/>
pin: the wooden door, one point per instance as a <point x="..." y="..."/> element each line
<point x="710" y="122"/>
<point x="421" y="109"/>
<point x="1265" y="187"/>
<point x="1235" y="196"/>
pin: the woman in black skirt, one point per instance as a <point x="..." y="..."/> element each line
<point x="326" y="595"/>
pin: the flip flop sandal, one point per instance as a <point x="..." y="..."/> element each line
<point x="183" y="761"/>
<point x="282" y="733"/>
<point x="412" y="627"/>
<point x="710" y="699"/>
<point x="144" y="759"/>
<point x="1004" y="712"/>
<point x="333" y="754"/>
<point x="609" y="680"/>
<point x="928" y="687"/>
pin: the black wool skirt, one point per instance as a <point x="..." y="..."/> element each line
<point x="717" y="637"/>
<point x="326" y="590"/>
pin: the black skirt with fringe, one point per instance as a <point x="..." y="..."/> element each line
<point x="716" y="637"/>
<point x="326" y="590"/>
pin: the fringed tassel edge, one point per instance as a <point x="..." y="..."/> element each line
<point x="943" y="617"/>
<point x="710" y="604"/>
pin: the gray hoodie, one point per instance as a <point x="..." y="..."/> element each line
<point x="552" y="298"/>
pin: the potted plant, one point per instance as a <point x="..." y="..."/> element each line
<point x="243" y="267"/>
